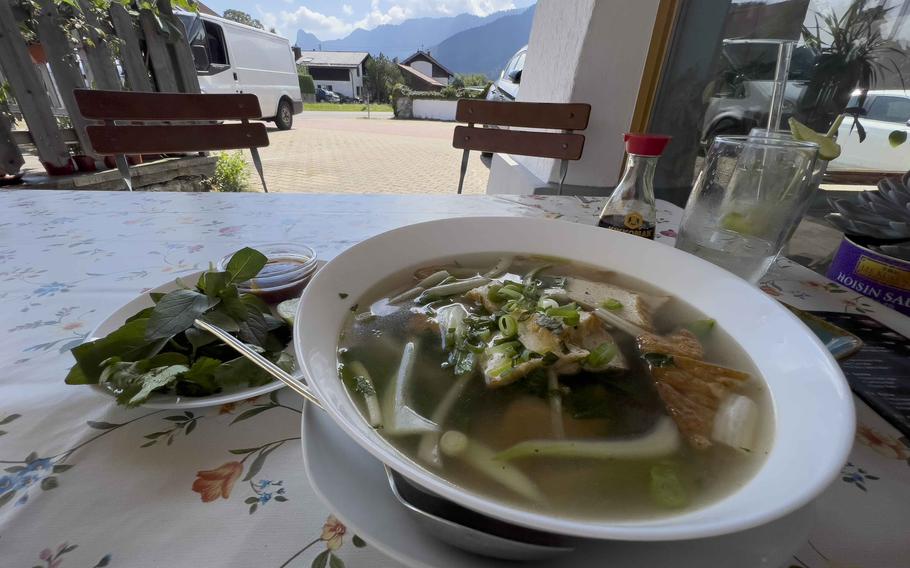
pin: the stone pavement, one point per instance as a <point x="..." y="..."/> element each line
<point x="344" y="152"/>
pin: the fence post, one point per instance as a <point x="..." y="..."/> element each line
<point x="182" y="55"/>
<point x="62" y="58"/>
<point x="137" y="75"/>
<point x="158" y="53"/>
<point x="100" y="57"/>
<point x="29" y="90"/>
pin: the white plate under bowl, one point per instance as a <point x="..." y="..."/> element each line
<point x="353" y="484"/>
<point x="172" y="401"/>
<point x="812" y="407"/>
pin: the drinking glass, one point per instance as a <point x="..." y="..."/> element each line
<point x="749" y="197"/>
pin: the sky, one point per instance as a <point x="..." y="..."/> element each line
<point x="332" y="19"/>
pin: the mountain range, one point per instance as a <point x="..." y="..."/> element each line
<point x="464" y="43"/>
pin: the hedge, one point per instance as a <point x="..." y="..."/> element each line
<point x="307" y="86"/>
<point x="446" y="93"/>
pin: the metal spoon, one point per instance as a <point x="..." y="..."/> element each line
<point x="261" y="362"/>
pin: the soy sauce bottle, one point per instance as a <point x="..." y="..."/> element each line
<point x="630" y="209"/>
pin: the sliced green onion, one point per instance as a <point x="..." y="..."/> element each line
<point x="493" y="292"/>
<point x="547" y="303"/>
<point x="666" y="487"/>
<point x="501" y="369"/>
<point x="602" y="355"/>
<point x="612" y="304"/>
<point x="506" y="293"/>
<point x="701" y="328"/>
<point x="508" y="326"/>
<point x="568" y="313"/>
<point x="511" y="346"/>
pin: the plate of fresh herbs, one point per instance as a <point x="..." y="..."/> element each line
<point x="148" y="353"/>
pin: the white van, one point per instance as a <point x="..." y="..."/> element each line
<point x="235" y="58"/>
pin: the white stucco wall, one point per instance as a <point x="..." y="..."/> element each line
<point x="347" y="88"/>
<point x="593" y="52"/>
<point x="434" y="109"/>
<point x="424" y="67"/>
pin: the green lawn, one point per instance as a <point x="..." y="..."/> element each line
<point x="347" y="107"/>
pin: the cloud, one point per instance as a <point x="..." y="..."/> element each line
<point x="381" y="12"/>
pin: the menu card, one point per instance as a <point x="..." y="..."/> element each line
<point x="879" y="373"/>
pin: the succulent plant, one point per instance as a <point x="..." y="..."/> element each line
<point x="882" y="214"/>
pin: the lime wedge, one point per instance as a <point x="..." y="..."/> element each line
<point x="828" y="148"/>
<point x="287" y="310"/>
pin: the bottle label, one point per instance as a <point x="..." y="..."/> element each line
<point x="632" y="223"/>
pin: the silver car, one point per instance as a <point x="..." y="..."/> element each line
<point x="506" y="87"/>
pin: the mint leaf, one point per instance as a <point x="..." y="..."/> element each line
<point x="154" y="379"/>
<point x="176" y="312"/>
<point x="202" y="373"/>
<point x="132" y="382"/>
<point x="245" y="264"/>
<point x="213" y="283"/>
<point x="128" y="342"/>
<point x="254" y="329"/>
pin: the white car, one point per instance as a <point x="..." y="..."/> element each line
<point x="883" y="112"/>
<point x="235" y="58"/>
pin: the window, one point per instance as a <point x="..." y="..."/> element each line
<point x="328" y="88"/>
<point x="215" y="44"/>
<point x="717" y="79"/>
<point x="358" y="91"/>
<point x="890" y="109"/>
<point x="358" y="70"/>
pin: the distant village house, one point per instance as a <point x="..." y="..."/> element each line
<point x="338" y="71"/>
<point x="423" y="73"/>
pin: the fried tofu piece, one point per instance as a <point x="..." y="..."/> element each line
<point x="681" y="342"/>
<point x="692" y="390"/>
<point x="538" y="338"/>
<point x="588" y="335"/>
<point x="636" y="307"/>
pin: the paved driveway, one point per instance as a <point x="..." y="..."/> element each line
<point x="344" y="152"/>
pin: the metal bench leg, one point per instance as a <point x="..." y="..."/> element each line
<point x="258" y="163"/>
<point x="563" y="170"/>
<point x="124" y="168"/>
<point x="464" y="169"/>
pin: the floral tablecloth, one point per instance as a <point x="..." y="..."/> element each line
<point x="87" y="484"/>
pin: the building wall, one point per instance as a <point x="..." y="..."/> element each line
<point x="566" y="63"/>
<point x="424" y="67"/>
<point x="352" y="87"/>
<point x="433" y="109"/>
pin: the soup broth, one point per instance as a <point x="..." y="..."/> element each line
<point x="557" y="387"/>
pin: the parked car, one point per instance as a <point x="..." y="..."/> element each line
<point x="235" y="58"/>
<point x="326" y="96"/>
<point x="882" y="113"/>
<point x="505" y="88"/>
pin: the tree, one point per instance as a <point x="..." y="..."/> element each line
<point x="381" y="74"/>
<point x="242" y="18"/>
<point x="470" y="80"/>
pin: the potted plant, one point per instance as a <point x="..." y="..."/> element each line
<point x="83" y="161"/>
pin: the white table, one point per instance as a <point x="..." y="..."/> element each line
<point x="91" y="484"/>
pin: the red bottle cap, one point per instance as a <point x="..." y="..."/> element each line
<point x="646" y="144"/>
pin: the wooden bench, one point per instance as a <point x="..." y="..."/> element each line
<point x="150" y="123"/>
<point x="564" y="146"/>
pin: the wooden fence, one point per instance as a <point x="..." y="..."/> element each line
<point x="151" y="54"/>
